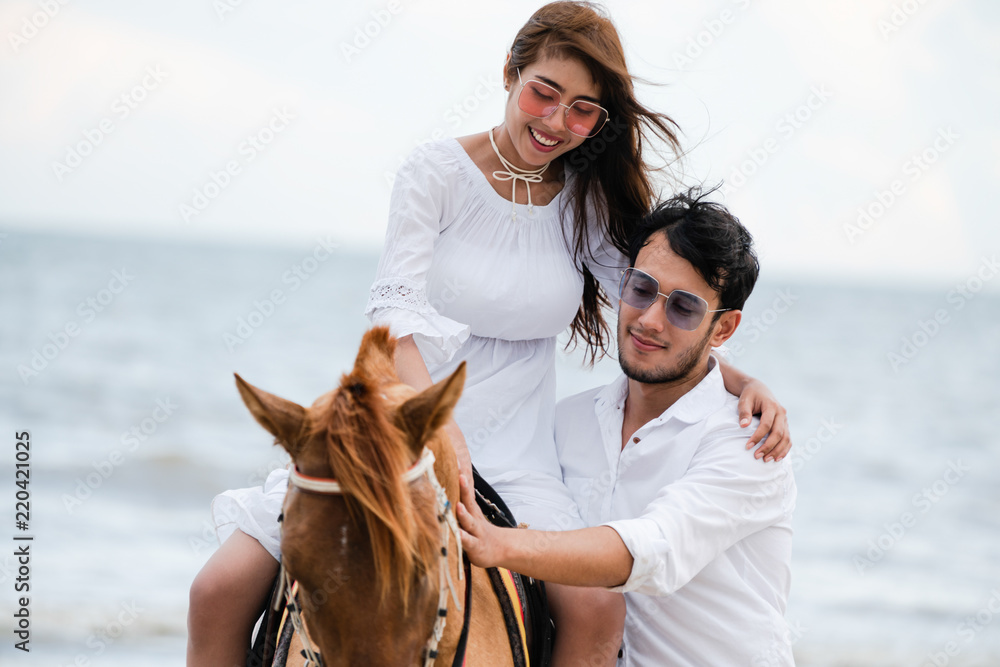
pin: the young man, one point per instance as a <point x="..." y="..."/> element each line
<point x="692" y="529"/>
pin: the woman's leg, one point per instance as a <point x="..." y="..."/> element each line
<point x="589" y="625"/>
<point x="226" y="599"/>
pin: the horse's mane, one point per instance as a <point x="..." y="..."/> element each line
<point x="368" y="455"/>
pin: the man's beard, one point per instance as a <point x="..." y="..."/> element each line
<point x="685" y="366"/>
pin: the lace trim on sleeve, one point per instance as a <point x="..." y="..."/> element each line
<point x="399" y="293"/>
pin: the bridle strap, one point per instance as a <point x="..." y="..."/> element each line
<point x="446" y="517"/>
<point x="332" y="487"/>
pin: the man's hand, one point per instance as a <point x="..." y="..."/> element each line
<point x="478" y="538"/>
<point x="585" y="557"/>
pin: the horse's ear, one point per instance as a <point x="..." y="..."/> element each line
<point x="428" y="411"/>
<point x="377" y="356"/>
<point x="281" y="418"/>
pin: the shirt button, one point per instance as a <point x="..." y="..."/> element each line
<point x="635" y="439"/>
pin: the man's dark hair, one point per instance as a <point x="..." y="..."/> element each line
<point x="710" y="237"/>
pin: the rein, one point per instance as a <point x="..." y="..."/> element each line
<point x="423" y="467"/>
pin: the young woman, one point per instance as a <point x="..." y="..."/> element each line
<point x="497" y="242"/>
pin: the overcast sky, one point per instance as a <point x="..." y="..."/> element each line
<point x="274" y="122"/>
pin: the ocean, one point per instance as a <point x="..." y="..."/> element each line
<point x="117" y="355"/>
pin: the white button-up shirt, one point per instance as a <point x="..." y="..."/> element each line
<point x="709" y="526"/>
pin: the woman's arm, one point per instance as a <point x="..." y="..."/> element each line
<point x="412" y="370"/>
<point x="756" y="398"/>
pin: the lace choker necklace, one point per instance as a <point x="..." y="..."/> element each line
<point x="515" y="174"/>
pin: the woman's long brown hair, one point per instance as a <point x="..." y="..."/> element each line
<point x="612" y="185"/>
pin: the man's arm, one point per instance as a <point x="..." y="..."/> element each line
<point x="587" y="557"/>
<point x="724" y="497"/>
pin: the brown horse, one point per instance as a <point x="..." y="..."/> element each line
<point x="367" y="560"/>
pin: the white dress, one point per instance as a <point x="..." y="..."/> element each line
<point x="472" y="284"/>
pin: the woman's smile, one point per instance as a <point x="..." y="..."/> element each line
<point x="542" y="141"/>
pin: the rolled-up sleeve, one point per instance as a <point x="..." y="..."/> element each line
<point x="419" y="203"/>
<point x="724" y="497"/>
